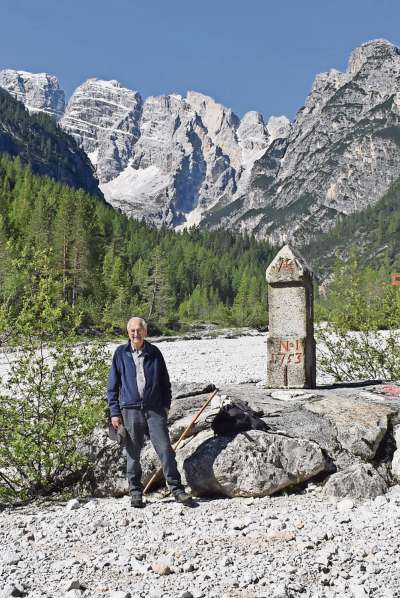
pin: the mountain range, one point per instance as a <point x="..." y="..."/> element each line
<point x="179" y="161"/>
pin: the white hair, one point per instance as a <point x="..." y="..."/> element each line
<point x="142" y="322"/>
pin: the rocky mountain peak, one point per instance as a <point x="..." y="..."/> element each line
<point x="103" y="117"/>
<point x="372" y="54"/>
<point x="39" y="92"/>
<point x="278" y="127"/>
<point x="341" y="154"/>
<point x="221" y="124"/>
<point x="183" y="160"/>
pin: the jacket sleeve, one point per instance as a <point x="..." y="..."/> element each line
<point x="165" y="384"/>
<point x="113" y="388"/>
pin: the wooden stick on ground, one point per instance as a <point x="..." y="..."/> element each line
<point x="185" y="432"/>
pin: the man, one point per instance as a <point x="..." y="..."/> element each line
<point x="139" y="397"/>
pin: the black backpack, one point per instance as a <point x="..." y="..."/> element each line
<point x="237" y="417"/>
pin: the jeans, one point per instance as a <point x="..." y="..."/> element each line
<point x="139" y="422"/>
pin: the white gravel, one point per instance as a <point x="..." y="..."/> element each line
<point x="299" y="545"/>
<point x="294" y="546"/>
<point x="218" y="360"/>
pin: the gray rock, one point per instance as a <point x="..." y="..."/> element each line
<point x="39" y="92"/>
<point x="359" y="481"/>
<point x="181" y="390"/>
<point x="103" y="117"/>
<point x="345" y="116"/>
<point x="345" y="505"/>
<point x="107" y="469"/>
<point x="357" y="591"/>
<point x="9" y="557"/>
<point x="251" y="464"/>
<point x="186" y="405"/>
<point x="12" y="590"/>
<point x="73" y="585"/>
<point x="302" y="423"/>
<point x="396" y="456"/>
<point x="360" y="424"/>
<point x="73" y="504"/>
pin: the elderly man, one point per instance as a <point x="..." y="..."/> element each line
<point x="139" y="396"/>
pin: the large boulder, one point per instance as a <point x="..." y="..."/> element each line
<point x="360" y="424"/>
<point x="345" y="432"/>
<point x="252" y="463"/>
<point x="106" y="474"/>
<point x="359" y="481"/>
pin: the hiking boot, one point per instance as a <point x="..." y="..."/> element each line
<point x="137" y="500"/>
<point x="183" y="498"/>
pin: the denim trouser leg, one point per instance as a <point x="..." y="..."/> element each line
<point x="159" y="436"/>
<point x="136" y="426"/>
<point x="154" y="423"/>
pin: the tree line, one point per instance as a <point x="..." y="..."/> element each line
<point x="38" y="141"/>
<point x="111" y="266"/>
<point x="374" y="231"/>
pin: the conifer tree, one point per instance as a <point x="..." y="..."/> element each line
<point x="157" y="291"/>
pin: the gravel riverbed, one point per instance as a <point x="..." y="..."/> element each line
<point x="299" y="545"/>
<point x="285" y="546"/>
<point x="221" y="360"/>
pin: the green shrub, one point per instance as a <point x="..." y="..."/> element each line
<point x="360" y="336"/>
<point x="50" y="398"/>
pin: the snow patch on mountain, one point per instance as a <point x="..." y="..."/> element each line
<point x="134" y="188"/>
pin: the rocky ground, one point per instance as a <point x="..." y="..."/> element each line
<point x="307" y="543"/>
<point x="299" y="545"/>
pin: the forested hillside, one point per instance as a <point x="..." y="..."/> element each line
<point x="374" y="232"/>
<point x="39" y="142"/>
<point x="112" y="267"/>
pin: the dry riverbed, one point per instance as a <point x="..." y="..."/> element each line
<point x="286" y="546"/>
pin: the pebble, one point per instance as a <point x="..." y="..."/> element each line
<point x="161" y="568"/>
<point x="9" y="557"/>
<point x="345" y="505"/>
<point x="240" y="524"/>
<point x="380" y="500"/>
<point x="224" y="548"/>
<point x="281" y="536"/>
<point x="73" y="504"/>
<point x="357" y="591"/>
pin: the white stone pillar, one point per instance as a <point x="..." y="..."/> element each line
<point x="290" y="344"/>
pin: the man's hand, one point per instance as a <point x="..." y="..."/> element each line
<point x="116" y="421"/>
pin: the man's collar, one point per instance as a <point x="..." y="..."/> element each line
<point x="145" y="348"/>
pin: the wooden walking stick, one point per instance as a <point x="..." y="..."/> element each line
<point x="185" y="432"/>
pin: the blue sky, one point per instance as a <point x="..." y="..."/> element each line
<point x="249" y="55"/>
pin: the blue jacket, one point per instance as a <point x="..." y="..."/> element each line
<point x="122" y="390"/>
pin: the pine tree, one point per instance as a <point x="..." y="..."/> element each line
<point x="157" y="291"/>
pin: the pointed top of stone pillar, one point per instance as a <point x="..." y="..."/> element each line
<point x="288" y="266"/>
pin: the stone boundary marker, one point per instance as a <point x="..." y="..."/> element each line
<point x="290" y="344"/>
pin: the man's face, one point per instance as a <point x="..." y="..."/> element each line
<point x="136" y="333"/>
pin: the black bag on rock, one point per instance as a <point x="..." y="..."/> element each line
<point x="237" y="417"/>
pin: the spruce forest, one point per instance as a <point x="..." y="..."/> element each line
<point x="111" y="267"/>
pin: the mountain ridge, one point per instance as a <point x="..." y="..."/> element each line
<point x="181" y="161"/>
<point x="38" y="141"/>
